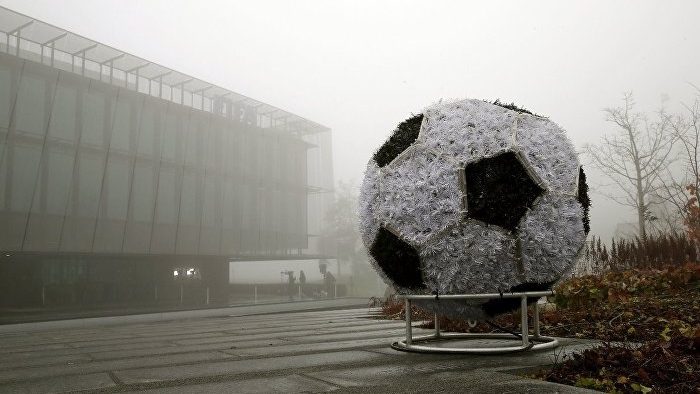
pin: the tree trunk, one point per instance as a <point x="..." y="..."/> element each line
<point x="640" y="219"/>
<point x="641" y="210"/>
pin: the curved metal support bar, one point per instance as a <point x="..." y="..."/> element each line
<point x="422" y="344"/>
<point x="430" y="343"/>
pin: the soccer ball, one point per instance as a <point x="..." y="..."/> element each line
<point x="473" y="197"/>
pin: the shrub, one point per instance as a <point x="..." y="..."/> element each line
<point x="589" y="291"/>
<point x="652" y="252"/>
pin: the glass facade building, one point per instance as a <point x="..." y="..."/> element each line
<point x="108" y="160"/>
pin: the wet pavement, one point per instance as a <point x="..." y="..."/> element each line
<point x="310" y="347"/>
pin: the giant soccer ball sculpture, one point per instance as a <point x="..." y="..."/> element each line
<point x="471" y="197"/>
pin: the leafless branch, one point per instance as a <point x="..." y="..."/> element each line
<point x="636" y="157"/>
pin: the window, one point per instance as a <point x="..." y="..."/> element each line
<point x="126" y="120"/>
<point x="24" y="175"/>
<point x="31" y="108"/>
<point x="143" y="192"/>
<point x="189" y="211"/>
<point x="6" y="95"/>
<point x="167" y="194"/>
<point x="117" y="188"/>
<point x="90" y="182"/>
<point x="95" y="124"/>
<point x="64" y="114"/>
<point x="59" y="180"/>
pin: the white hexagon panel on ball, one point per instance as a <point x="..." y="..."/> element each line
<point x="419" y="194"/>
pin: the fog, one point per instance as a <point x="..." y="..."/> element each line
<point x="361" y="67"/>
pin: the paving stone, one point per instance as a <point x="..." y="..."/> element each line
<point x="29" y="361"/>
<point x="273" y="385"/>
<point x="144" y="375"/>
<point x="301" y="348"/>
<point x="175" y="349"/>
<point x="242" y="337"/>
<point x="59" y="384"/>
<point x="342" y="336"/>
<point x="105" y="366"/>
<point x="9" y="347"/>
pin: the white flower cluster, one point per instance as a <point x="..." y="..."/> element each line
<point x="420" y="196"/>
<point x="549" y="153"/>
<point x="488" y="129"/>
<point x="551" y="237"/>
<point x="469" y="258"/>
<point x="368" y="206"/>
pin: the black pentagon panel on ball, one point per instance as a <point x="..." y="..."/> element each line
<point x="397" y="259"/>
<point x="403" y="136"/>
<point x="584" y="200"/>
<point x="500" y="190"/>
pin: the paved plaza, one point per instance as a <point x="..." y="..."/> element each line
<point x="304" y="347"/>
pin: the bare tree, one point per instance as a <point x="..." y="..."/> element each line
<point x="340" y="236"/>
<point x="634" y="158"/>
<point x="685" y="128"/>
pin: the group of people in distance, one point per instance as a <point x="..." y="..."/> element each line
<point x="292" y="288"/>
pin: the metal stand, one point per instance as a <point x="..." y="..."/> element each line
<point x="432" y="343"/>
